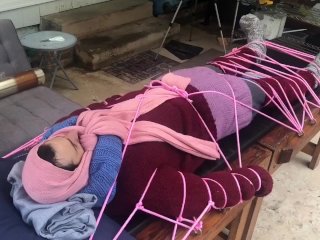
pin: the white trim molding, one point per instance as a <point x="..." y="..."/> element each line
<point x="26" y="13"/>
<point x="6" y="5"/>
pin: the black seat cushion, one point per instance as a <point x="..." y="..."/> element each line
<point x="26" y="115"/>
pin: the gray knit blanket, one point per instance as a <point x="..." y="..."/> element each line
<point x="68" y="220"/>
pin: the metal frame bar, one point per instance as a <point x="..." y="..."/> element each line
<point x="174" y="18"/>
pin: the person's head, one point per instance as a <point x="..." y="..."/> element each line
<point x="63" y="151"/>
<point x="57" y="168"/>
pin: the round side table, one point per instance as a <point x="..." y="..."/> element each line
<point x="51" y="44"/>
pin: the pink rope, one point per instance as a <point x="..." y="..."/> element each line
<point x="223" y="191"/>
<point x="244" y="177"/>
<point x="25" y="146"/>
<point x="123" y="153"/>
<point x="182" y="205"/>
<point x="294" y="53"/>
<point x="239" y="188"/>
<point x="236" y="123"/>
<point x="210" y="134"/>
<point x="290" y="114"/>
<point x="283" y="108"/>
<point x="138" y="206"/>
<point x="296" y="76"/>
<point x="274" y="71"/>
<point x="209" y="192"/>
<point x="258" y="177"/>
<point x="196" y="224"/>
<point x="255" y="110"/>
<point x="301" y="79"/>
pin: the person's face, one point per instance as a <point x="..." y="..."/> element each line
<point x="67" y="148"/>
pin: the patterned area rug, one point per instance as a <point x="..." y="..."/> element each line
<point x="140" y="67"/>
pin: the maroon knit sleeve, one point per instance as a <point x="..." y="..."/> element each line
<point x="289" y="87"/>
<point x="220" y="188"/>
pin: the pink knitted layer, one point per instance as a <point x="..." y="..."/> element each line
<point x="222" y="108"/>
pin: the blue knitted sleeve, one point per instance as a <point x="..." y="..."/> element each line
<point x="104" y="167"/>
<point x="105" y="163"/>
<point x="66" y="123"/>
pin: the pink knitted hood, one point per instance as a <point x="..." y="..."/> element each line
<point x="46" y="183"/>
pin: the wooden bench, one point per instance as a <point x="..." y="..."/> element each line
<point x="285" y="144"/>
<point x="233" y="224"/>
<point x="277" y="147"/>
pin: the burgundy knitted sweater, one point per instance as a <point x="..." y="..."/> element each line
<point x="166" y="191"/>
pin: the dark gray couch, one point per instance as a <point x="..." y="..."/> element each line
<point x="25" y="114"/>
<point x="13" y="59"/>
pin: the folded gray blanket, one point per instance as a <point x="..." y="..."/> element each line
<point x="71" y="219"/>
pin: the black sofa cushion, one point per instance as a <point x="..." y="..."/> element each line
<point x="26" y="114"/>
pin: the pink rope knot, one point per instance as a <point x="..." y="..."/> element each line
<point x="179" y="219"/>
<point x="139" y="205"/>
<point x="212" y="204"/>
<point x="180" y="92"/>
<point x="198" y="227"/>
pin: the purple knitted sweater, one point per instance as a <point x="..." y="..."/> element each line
<point x="222" y="108"/>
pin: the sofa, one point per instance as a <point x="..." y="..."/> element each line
<point x="26" y="109"/>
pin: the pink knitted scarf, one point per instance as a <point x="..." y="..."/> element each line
<point x="46" y="183"/>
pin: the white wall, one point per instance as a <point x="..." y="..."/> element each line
<point x="25" y="13"/>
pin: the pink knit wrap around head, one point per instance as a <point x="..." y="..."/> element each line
<point x="46" y="183"/>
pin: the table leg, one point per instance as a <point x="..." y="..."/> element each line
<point x="42" y="60"/>
<point x="53" y="77"/>
<point x="252" y="218"/>
<point x="238" y="224"/>
<point x="315" y="156"/>
<point x="57" y="58"/>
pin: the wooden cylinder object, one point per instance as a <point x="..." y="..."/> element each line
<point x="21" y="81"/>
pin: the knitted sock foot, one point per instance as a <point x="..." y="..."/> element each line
<point x="314" y="67"/>
<point x="252" y="27"/>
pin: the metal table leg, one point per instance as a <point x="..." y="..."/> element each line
<point x="57" y="65"/>
<point x="220" y="26"/>
<point x="235" y="20"/>
<point x="169" y="28"/>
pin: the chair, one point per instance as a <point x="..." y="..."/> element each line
<point x="29" y="108"/>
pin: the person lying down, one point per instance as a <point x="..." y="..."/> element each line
<point x="82" y="154"/>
